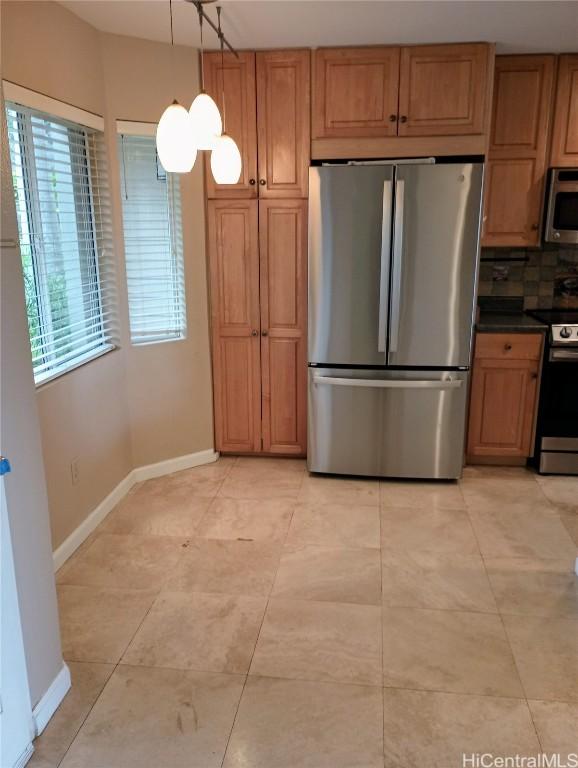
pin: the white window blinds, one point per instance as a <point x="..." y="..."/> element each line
<point x="63" y="211"/>
<point x="153" y="245"/>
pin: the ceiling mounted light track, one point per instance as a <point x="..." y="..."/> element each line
<point x="180" y="133"/>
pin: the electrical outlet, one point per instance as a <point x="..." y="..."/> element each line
<point x="74" y="471"/>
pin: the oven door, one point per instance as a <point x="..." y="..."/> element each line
<point x="562" y="216"/>
<point x="557" y="435"/>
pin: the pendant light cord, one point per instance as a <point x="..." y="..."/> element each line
<point x="200" y="10"/>
<point x="172" y="67"/>
<point x="220" y="33"/>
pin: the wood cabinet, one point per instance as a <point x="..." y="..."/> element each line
<point x="565" y="134"/>
<point x="283" y="119"/>
<point x="283" y="265"/>
<point x="443" y="89"/>
<point x="240" y="117"/>
<point x="234" y="272"/>
<point x="503" y="401"/>
<point x="267" y="99"/>
<point x="258" y="272"/>
<point x="517" y="161"/>
<point x="258" y="254"/>
<point x="393" y="102"/>
<point x="355" y="92"/>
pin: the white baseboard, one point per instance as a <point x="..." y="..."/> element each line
<point x="51" y="700"/>
<point x="174" y="465"/>
<point x="71" y="544"/>
<point x="24" y="757"/>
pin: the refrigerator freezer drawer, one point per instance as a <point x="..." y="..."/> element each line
<point x="387" y="423"/>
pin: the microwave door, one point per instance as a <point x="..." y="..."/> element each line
<point x="562" y="216"/>
<point x="434" y="265"/>
<point x="350" y="210"/>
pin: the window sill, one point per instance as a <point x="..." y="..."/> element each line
<point x="68" y="368"/>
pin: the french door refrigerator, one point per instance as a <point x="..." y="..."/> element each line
<point x="393" y="257"/>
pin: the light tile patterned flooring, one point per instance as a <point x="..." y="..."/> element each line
<point x="245" y="614"/>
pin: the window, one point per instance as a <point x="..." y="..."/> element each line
<point x="153" y="246"/>
<point x="58" y="170"/>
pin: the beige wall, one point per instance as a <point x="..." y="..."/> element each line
<point x="168" y="385"/>
<point x="133" y="406"/>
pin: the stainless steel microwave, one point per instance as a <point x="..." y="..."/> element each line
<point x="562" y="211"/>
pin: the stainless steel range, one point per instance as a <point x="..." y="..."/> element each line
<point x="556" y="449"/>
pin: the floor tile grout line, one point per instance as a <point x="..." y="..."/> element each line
<point x="260" y="628"/>
<point x="510" y="646"/>
<point x="85" y="718"/>
<point x="118" y="663"/>
<point x="381" y="628"/>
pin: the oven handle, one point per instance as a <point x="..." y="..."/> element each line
<point x="561" y="355"/>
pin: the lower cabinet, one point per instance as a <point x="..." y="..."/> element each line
<point x="503" y="400"/>
<point x="258" y="274"/>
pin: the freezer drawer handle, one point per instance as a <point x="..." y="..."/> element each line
<point x="384" y="264"/>
<point x="389" y="383"/>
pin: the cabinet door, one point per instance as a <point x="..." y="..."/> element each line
<point x="443" y="89"/>
<point x="283" y="86"/>
<point x="283" y="258"/>
<point x="355" y="92"/>
<point x="240" y="116"/>
<point x="565" y="135"/>
<point x="502" y="407"/>
<point x="234" y="270"/>
<point x="515" y="176"/>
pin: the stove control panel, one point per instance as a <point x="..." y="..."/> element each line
<point x="564" y="334"/>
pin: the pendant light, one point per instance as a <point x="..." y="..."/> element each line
<point x="204" y="113"/>
<point x="226" y="163"/>
<point x="175" y="143"/>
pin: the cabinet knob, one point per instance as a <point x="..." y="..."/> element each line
<point x="262" y="182"/>
<point x="403" y="119"/>
<point x="264" y="333"/>
<point x="252" y="182"/>
<point x="534" y="227"/>
<point x="534" y="375"/>
<point x="507" y="347"/>
<point x="254" y="333"/>
<point x="392" y="118"/>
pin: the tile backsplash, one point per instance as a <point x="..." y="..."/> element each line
<point x="544" y="277"/>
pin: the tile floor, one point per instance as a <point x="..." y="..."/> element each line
<point x="245" y="614"/>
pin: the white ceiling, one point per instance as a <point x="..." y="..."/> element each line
<point x="515" y="25"/>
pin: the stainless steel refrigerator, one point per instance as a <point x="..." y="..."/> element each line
<point x="393" y="256"/>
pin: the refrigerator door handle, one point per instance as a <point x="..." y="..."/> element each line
<point x="389" y="383"/>
<point x="384" y="265"/>
<point x="397" y="265"/>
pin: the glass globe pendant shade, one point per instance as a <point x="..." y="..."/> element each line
<point x="175" y="144"/>
<point x="226" y="161"/>
<point x="206" y="121"/>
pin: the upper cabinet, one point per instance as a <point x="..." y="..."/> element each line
<point x="267" y="99"/>
<point x="391" y="102"/>
<point x="517" y="160"/>
<point x="355" y="92"/>
<point x="283" y="109"/>
<point x="240" y="117"/>
<point x="565" y="133"/>
<point x="443" y="89"/>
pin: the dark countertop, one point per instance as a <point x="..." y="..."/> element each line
<point x="508" y="322"/>
<point x="505" y="314"/>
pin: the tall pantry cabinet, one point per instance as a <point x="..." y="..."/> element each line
<point x="257" y="244"/>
